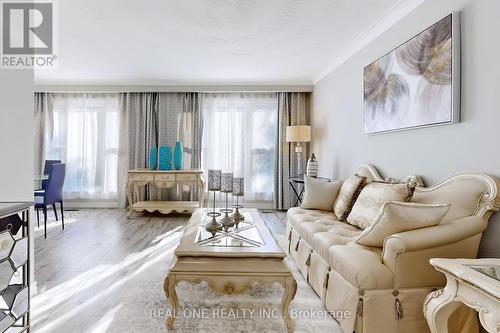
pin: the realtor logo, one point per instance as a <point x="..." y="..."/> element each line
<point x="27" y="34"/>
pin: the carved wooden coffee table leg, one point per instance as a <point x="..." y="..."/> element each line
<point x="290" y="288"/>
<point x="169" y="287"/>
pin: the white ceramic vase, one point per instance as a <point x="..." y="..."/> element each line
<point x="312" y="166"/>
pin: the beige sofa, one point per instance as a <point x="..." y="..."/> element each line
<point x="383" y="289"/>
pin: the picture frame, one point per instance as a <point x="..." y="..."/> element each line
<point x="416" y="84"/>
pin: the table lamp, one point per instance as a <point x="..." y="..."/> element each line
<point x="298" y="134"/>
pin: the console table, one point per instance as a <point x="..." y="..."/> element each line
<point x="163" y="179"/>
<point x="474" y="282"/>
<point x="15" y="266"/>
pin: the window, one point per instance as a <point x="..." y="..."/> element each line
<point x="239" y="136"/>
<point x="85" y="136"/>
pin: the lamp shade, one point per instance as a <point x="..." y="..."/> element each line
<point x="298" y="133"/>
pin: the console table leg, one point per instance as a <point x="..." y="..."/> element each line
<point x="169" y="287"/>
<point x="129" y="197"/>
<point x="288" y="294"/>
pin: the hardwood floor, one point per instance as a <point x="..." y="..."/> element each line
<point x="84" y="272"/>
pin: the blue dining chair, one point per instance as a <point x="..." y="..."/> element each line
<point x="51" y="194"/>
<point x="46" y="170"/>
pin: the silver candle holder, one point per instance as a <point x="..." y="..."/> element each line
<point x="214" y="185"/>
<point x="238" y="191"/>
<point x="226" y="188"/>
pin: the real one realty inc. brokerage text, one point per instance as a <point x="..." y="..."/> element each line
<point x="228" y="313"/>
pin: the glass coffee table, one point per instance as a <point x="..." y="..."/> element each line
<point x="474" y="282"/>
<point x="246" y="234"/>
<point x="230" y="261"/>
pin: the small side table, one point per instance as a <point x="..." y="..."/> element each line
<point x="297" y="185"/>
<point x="474" y="282"/>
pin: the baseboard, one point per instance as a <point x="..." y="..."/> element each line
<point x="91" y="204"/>
<point x="113" y="204"/>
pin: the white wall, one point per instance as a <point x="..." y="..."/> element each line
<point x="437" y="152"/>
<point x="16" y="142"/>
<point x="16" y="135"/>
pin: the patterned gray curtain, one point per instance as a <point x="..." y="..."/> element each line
<point x="156" y="119"/>
<point x="142" y="118"/>
<point x="43" y="128"/>
<point x="293" y="109"/>
<point x="141" y="112"/>
<point x="191" y="129"/>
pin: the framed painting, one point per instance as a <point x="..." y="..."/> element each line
<point x="416" y="84"/>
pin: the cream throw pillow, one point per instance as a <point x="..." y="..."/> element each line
<point x="319" y="194"/>
<point x="349" y="191"/>
<point x="372" y="197"/>
<point x="395" y="217"/>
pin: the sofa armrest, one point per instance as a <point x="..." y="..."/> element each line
<point x="407" y="254"/>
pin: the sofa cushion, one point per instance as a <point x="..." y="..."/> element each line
<point x="372" y="197"/>
<point x="395" y="217"/>
<point x="339" y="234"/>
<point x="310" y="212"/>
<point x="347" y="196"/>
<point x="319" y="194"/>
<point x="307" y="230"/>
<point x="362" y="268"/>
<point x="307" y="215"/>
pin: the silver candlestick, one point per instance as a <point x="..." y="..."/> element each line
<point x="226" y="188"/>
<point x="238" y="191"/>
<point x="214" y="185"/>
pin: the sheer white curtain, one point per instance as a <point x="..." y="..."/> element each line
<point x="239" y="136"/>
<point x="85" y="135"/>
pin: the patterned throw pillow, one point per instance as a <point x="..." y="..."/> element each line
<point x="372" y="197"/>
<point x="349" y="191"/>
<point x="395" y="217"/>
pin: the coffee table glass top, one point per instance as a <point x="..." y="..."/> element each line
<point x="245" y="235"/>
<point x="493" y="271"/>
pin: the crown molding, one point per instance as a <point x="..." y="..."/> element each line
<point x="387" y="20"/>
<point x="173" y="88"/>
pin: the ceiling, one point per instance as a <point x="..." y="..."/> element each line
<point x="205" y="41"/>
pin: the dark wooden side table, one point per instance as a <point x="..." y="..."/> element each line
<point x="297" y="185"/>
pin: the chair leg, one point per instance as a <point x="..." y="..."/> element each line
<point x="62" y="214"/>
<point x="55" y="211"/>
<point x="37" y="217"/>
<point x="45" y="221"/>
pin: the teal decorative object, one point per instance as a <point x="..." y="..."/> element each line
<point x="178" y="155"/>
<point x="153" y="158"/>
<point x="166" y="158"/>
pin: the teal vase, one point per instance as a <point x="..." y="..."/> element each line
<point x="166" y="159"/>
<point x="153" y="158"/>
<point x="178" y="155"/>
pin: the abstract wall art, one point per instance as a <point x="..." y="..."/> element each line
<point x="418" y="83"/>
